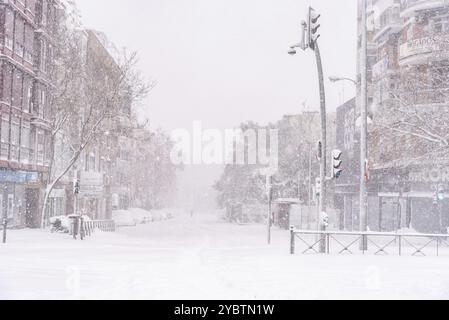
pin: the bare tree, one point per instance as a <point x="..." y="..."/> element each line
<point x="414" y="117"/>
<point x="92" y="87"/>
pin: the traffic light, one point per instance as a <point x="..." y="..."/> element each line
<point x="439" y="193"/>
<point x="336" y="163"/>
<point x="318" y="186"/>
<point x="319" y="150"/>
<point x="76" y="186"/>
<point x="312" y="34"/>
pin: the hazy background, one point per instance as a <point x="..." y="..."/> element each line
<point x="225" y="61"/>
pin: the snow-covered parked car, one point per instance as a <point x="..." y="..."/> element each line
<point x="140" y="216"/>
<point x="162" y="214"/>
<point x="157" y="215"/>
<point x="123" y="218"/>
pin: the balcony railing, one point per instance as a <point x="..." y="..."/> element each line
<point x="388" y="22"/>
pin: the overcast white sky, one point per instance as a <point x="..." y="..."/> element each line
<point x="225" y="61"/>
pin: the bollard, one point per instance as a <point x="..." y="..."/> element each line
<point x="5" y="226"/>
<point x="74" y="227"/>
<point x="292" y="240"/>
<point x="81" y="222"/>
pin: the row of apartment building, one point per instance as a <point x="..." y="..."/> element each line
<point x="27" y="35"/>
<point x="408" y="42"/>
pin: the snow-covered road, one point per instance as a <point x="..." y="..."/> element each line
<point x="203" y="258"/>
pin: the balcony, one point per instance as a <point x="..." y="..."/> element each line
<point x="382" y="68"/>
<point x="388" y="22"/>
<point x="432" y="48"/>
<point x="410" y="7"/>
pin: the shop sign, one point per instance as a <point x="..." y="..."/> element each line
<point x="435" y="175"/>
<point x="91" y="184"/>
<point x="18" y="176"/>
<point x="424" y="46"/>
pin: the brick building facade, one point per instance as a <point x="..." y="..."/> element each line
<point x="26" y="31"/>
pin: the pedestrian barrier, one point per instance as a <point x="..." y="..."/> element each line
<point x="341" y="242"/>
<point x="88" y="227"/>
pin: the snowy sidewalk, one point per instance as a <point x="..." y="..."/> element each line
<point x="203" y="258"/>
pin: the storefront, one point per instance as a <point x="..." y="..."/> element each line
<point x="19" y="197"/>
<point x="408" y="198"/>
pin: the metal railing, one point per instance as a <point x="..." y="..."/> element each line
<point x="88" y="227"/>
<point x="341" y="242"/>
<point x="103" y="225"/>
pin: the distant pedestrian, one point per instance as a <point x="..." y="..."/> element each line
<point x="191" y="213"/>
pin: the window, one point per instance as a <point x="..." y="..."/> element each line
<point x="18" y="50"/>
<point x="15" y="133"/>
<point x="26" y="143"/>
<point x="29" y="44"/>
<point x="15" y="139"/>
<point x="91" y="160"/>
<point x="43" y="56"/>
<point x="440" y="24"/>
<point x="9" y="29"/>
<point x="5" y="129"/>
<point x="17" y="89"/>
<point x="7" y="83"/>
<point x="28" y="107"/>
<point x="40" y="147"/>
<point x="43" y="103"/>
<point x="19" y="36"/>
<point x="8" y="42"/>
<point x="44" y="13"/>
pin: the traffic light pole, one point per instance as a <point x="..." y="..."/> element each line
<point x="270" y="206"/>
<point x="363" y="130"/>
<point x="312" y="36"/>
<point x="323" y="194"/>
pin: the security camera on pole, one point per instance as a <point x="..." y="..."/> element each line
<point x="310" y="37"/>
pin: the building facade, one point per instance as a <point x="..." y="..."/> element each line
<point x="26" y="31"/>
<point x="408" y="63"/>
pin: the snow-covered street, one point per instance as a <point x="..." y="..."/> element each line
<point x="203" y="258"/>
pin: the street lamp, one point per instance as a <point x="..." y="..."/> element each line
<point x="309" y="40"/>
<point x="336" y="79"/>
